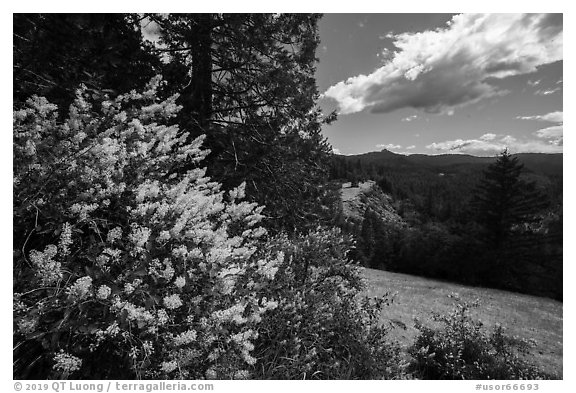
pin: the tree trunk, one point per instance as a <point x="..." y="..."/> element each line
<point x="196" y="98"/>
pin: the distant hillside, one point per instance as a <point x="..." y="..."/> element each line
<point x="416" y="214"/>
<point x="547" y="164"/>
<point x="441" y="186"/>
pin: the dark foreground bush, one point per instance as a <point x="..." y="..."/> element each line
<point x="323" y="328"/>
<point x="462" y="350"/>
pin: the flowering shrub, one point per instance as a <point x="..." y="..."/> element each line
<point x="463" y="351"/>
<point x="129" y="261"/>
<point x="323" y="328"/>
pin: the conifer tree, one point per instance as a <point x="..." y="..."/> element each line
<point x="55" y="53"/>
<point x="504" y="202"/>
<point x="247" y="82"/>
<point x="367" y="237"/>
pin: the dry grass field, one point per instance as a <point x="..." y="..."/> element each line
<point x="525" y="316"/>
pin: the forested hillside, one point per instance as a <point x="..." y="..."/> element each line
<point x="177" y="213"/>
<point x="446" y="203"/>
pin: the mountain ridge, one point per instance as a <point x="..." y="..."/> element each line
<point x="547" y="163"/>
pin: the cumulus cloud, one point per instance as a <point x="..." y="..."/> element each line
<point x="550" y="132"/>
<point x="471" y="146"/>
<point x="411" y="147"/>
<point x="410" y="118"/>
<point x="488" y="137"/>
<point x="483" y="147"/>
<point x="554" y="117"/>
<point x="554" y="134"/>
<point x="336" y="151"/>
<point x="439" y="70"/>
<point x="389" y="146"/>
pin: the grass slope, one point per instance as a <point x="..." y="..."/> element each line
<point x="522" y="315"/>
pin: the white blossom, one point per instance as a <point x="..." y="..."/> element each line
<point x="179" y="232"/>
<point x="139" y="235"/>
<point x="185" y="338"/>
<point x="47" y="269"/>
<point x="133" y="313"/>
<point x="168" y="367"/>
<point x="81" y="288"/>
<point x="241" y="374"/>
<point x="180" y="282"/>
<point x="103" y="292"/>
<point x="162" y="316"/>
<point x="65" y="238"/>
<point x="128" y="288"/>
<point x="114" y="234"/>
<point x="211" y="374"/>
<point x="66" y="363"/>
<point x="172" y="302"/>
<point x="83" y="209"/>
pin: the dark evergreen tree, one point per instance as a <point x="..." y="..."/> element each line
<point x="55" y="53"/>
<point x="367" y="241"/>
<point x="386" y="185"/>
<point x="504" y="202"/>
<point x="247" y="82"/>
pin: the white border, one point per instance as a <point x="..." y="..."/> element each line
<point x="333" y="6"/>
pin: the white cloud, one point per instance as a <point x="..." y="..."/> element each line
<point x="472" y="146"/>
<point x="389" y="35"/>
<point x="389" y="146"/>
<point x="483" y="147"/>
<point x="336" y="151"/>
<point x="411" y="147"/>
<point x="488" y="137"/>
<point x="546" y="92"/>
<point x="385" y="55"/>
<point x="554" y="134"/>
<point x="410" y="118"/>
<point x="534" y="83"/>
<point x="550" y="132"/>
<point x="438" y="70"/>
<point x="554" y="117"/>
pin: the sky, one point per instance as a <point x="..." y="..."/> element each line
<point x="442" y="83"/>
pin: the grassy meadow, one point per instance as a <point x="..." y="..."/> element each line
<point x="525" y="316"/>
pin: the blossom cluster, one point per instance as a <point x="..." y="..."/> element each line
<point x="48" y="270"/>
<point x="66" y="363"/>
<point x="81" y="288"/>
<point x="65" y="239"/>
<point x="166" y="262"/>
<point x="142" y="258"/>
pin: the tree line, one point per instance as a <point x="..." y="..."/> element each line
<point x="492" y="227"/>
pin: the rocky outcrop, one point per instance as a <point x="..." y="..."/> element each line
<point x="355" y="201"/>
